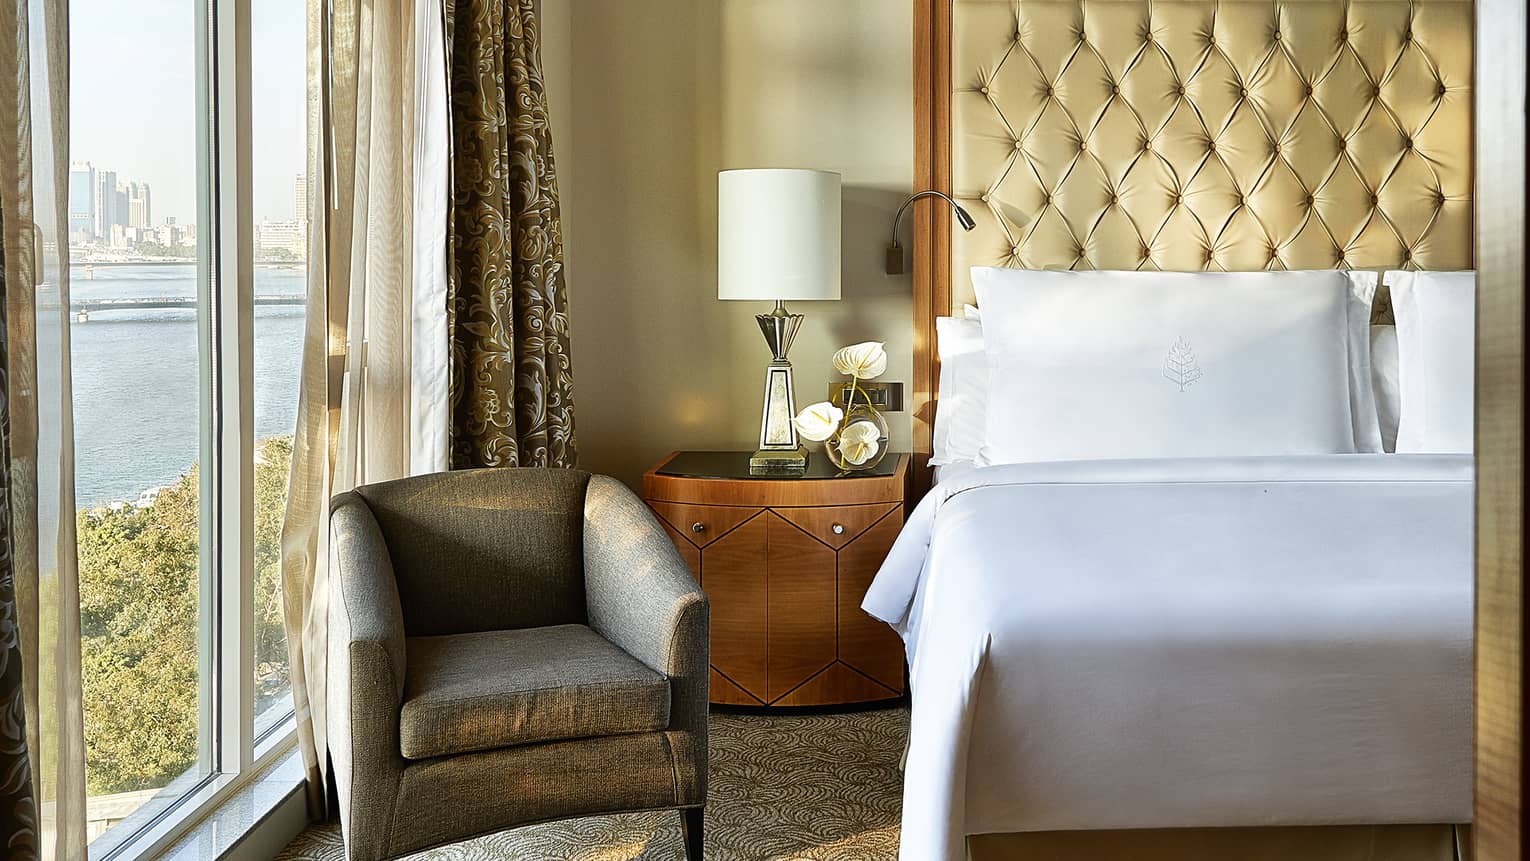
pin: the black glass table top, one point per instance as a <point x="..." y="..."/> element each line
<point x="735" y="464"/>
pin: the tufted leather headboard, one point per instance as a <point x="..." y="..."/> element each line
<point x="1187" y="135"/>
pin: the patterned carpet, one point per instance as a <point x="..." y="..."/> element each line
<point x="782" y="788"/>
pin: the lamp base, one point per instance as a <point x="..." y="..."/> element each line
<point x="779" y="461"/>
<point x="780" y="452"/>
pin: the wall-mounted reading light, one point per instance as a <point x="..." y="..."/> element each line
<point x="895" y="251"/>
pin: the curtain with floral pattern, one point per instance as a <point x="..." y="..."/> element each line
<point x="42" y="722"/>
<point x="511" y="380"/>
<point x="18" y="809"/>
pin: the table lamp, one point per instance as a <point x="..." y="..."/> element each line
<point x="778" y="240"/>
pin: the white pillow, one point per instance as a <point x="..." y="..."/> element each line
<point x="1436" y="353"/>
<point x="960" y="410"/>
<point x="1093" y="365"/>
<point x="1384" y="375"/>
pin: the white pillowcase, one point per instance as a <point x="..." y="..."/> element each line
<point x="1095" y="365"/>
<point x="1384" y="378"/>
<point x="1436" y="354"/>
<point x="1384" y="375"/>
<point x="960" y="409"/>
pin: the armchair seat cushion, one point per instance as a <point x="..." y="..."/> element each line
<point x="494" y="689"/>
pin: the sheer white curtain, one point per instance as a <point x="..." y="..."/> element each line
<point x="374" y="375"/>
<point x="34" y="178"/>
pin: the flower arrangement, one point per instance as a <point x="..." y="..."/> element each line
<point x="854" y="437"/>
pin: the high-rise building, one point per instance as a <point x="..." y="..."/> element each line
<point x="120" y="209"/>
<point x="105" y="201"/>
<point x="138" y="213"/>
<point x="300" y="198"/>
<point x="82" y="201"/>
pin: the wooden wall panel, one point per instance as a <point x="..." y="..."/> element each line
<point x="931" y="248"/>
<point x="1500" y="672"/>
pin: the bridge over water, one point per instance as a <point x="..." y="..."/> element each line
<point x="84" y="308"/>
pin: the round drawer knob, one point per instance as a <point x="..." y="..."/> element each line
<point x="839" y="528"/>
<point x="698" y="526"/>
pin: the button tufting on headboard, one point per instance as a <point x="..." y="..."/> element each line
<point x="1225" y="134"/>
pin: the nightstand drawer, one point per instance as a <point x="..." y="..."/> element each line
<point x="702" y="524"/>
<point x="839" y="525"/>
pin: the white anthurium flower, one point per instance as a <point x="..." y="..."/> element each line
<point x="819" y="421"/>
<point x="859" y="442"/>
<point x="864" y="361"/>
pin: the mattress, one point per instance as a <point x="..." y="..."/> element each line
<point x="1200" y="643"/>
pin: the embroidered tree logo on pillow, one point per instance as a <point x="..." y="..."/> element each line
<point x="1180" y="368"/>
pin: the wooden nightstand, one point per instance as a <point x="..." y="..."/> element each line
<point x="786" y="562"/>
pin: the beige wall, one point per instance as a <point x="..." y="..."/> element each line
<point x="650" y="99"/>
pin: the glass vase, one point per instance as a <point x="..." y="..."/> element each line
<point x="853" y="415"/>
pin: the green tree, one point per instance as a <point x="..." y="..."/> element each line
<point x="275" y="255"/>
<point x="139" y="604"/>
<point x="155" y="249"/>
<point x="272" y="463"/>
<point x="138" y="615"/>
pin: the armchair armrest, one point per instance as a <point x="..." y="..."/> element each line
<point x="642" y="597"/>
<point x="365" y="678"/>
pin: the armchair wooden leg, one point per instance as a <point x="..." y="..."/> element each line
<point x="690" y="826"/>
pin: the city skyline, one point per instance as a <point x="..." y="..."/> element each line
<point x="103" y="208"/>
<point x="110" y="214"/>
<point x="146" y="129"/>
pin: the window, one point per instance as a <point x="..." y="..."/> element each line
<point x="278" y="155"/>
<point x="134" y="214"/>
<point x="186" y="334"/>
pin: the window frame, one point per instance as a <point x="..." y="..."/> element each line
<point x="230" y="749"/>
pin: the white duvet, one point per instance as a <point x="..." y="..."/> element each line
<point x="1183" y="643"/>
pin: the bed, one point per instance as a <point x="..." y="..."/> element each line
<point x="1058" y="713"/>
<point x="1242" y="661"/>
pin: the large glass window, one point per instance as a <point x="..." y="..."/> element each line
<point x="278" y="158"/>
<point x="139" y="376"/>
<point x="187" y="329"/>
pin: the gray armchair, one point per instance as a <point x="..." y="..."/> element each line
<point x="509" y="646"/>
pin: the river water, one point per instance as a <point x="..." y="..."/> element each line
<point x="137" y="406"/>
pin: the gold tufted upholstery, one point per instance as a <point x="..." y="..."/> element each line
<point x="1211" y="134"/>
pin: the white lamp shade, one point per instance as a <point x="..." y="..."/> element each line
<point x="777" y="234"/>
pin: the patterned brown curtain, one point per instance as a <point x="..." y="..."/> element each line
<point x="511" y="380"/>
<point x="18" y="810"/>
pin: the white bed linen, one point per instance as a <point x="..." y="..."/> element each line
<point x="1436" y="350"/>
<point x="953" y="470"/>
<point x="961" y="421"/>
<point x="1181" y="643"/>
<point x="1147" y="364"/>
